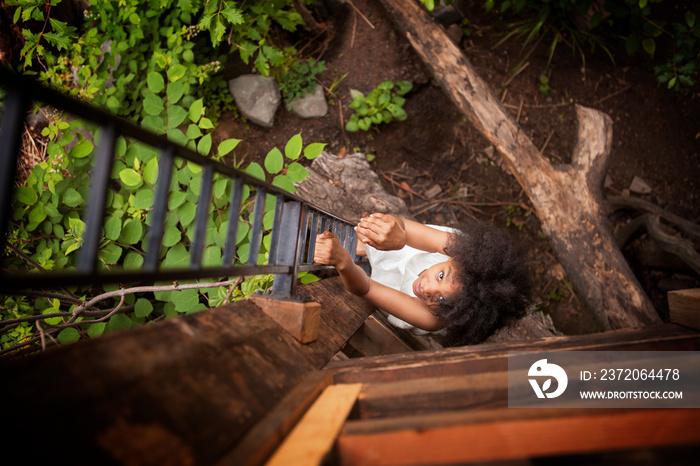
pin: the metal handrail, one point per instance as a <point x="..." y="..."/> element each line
<point x="293" y="233"/>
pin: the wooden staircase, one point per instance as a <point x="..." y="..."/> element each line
<point x="229" y="386"/>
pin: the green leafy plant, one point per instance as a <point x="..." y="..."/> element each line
<point x="382" y="105"/>
<point x="299" y="79"/>
<point x="46" y="232"/>
<point x="137" y="59"/>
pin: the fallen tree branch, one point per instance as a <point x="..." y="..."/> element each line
<point x="673" y="244"/>
<point x="567" y="198"/>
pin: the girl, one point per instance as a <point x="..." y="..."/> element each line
<point x="468" y="282"/>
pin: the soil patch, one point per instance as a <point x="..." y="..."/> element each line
<point x="447" y="172"/>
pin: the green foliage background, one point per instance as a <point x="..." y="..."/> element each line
<point x="153" y="62"/>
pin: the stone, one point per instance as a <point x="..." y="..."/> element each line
<point x="257" y="97"/>
<point x="639" y="186"/>
<point x="608" y="182"/>
<point x="312" y="105"/>
<point x="433" y="191"/>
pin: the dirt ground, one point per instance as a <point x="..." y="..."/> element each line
<point x="435" y="155"/>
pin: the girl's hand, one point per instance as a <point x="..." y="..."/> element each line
<point x="328" y="250"/>
<point x="382" y="231"/>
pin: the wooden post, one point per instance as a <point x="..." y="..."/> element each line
<point x="313" y="437"/>
<point x="567" y="198"/>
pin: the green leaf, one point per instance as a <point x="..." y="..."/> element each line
<point x="142" y="307"/>
<point x="144" y="198"/>
<point x="283" y="182"/>
<point x="293" y="148"/>
<point x="185" y="300"/>
<point x="177" y="257"/>
<point x="132" y="231"/>
<point x="133" y="260"/>
<point x="171" y="237"/>
<point x="351" y="126"/>
<point x="82" y="149"/>
<point x="68" y="335"/>
<point x="314" y="150"/>
<point x="205" y="123"/>
<point x="175" y="91"/>
<point x="26" y="195"/>
<point x="130" y="177"/>
<point x="153" y="105"/>
<point x="37" y="214"/>
<point x="193" y="131"/>
<point x="649" y="46"/>
<point x="110" y="254"/>
<point x="176" y="72"/>
<point x="204" y="144"/>
<point x="176" y="115"/>
<point x="113" y="228"/>
<point x="118" y="322"/>
<point x="96" y="329"/>
<point x="72" y="198"/>
<point x="176" y="200"/>
<point x="227" y="146"/>
<point x="150" y="171"/>
<point x="186" y="213"/>
<point x="256" y="171"/>
<point x="211" y="256"/>
<point x="155" y="81"/>
<point x="274" y="161"/>
<point x="297" y="172"/>
<point x="196" y="110"/>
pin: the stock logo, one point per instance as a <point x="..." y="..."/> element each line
<point x="542" y="368"/>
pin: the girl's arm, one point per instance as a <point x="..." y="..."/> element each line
<point x="412" y="310"/>
<point x="387" y="233"/>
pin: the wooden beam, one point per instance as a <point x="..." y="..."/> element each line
<point x="314" y="436"/>
<point x="374" y="339"/>
<point x="567" y="198"/>
<point x="492" y="357"/>
<point x="684" y="307"/>
<point x="300" y="319"/>
<point x="435" y="394"/>
<point x="512" y="434"/>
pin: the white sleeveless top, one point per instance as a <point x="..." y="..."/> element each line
<point x="399" y="269"/>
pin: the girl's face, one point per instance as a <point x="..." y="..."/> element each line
<point x="437" y="284"/>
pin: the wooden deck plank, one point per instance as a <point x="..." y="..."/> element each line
<point x="508" y="437"/>
<point x="492" y="357"/>
<point x="374" y="338"/>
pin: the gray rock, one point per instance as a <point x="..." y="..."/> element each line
<point x="312" y="105"/>
<point x="639" y="186"/>
<point x="257" y="97"/>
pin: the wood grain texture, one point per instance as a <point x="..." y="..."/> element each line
<point x="511" y="434"/>
<point x="300" y="319"/>
<point x="684" y="307"/>
<point x="313" y="437"/>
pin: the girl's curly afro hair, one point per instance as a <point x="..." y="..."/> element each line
<point x="494" y="280"/>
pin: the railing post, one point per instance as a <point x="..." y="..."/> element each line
<point x="16" y="104"/>
<point x="98" y="195"/>
<point x="288" y="247"/>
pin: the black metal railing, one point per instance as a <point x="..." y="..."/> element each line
<point x="294" y="228"/>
